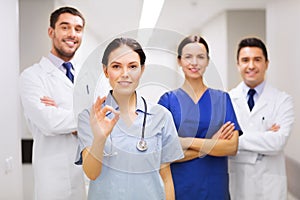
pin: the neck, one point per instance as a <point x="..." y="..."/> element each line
<point x="126" y="103"/>
<point x="194" y="88"/>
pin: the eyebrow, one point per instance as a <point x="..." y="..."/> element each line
<point x="67" y="23"/>
<point x="64" y="23"/>
<point x="133" y="62"/>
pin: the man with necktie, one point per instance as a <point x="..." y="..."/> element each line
<point x="265" y="115"/>
<point x="46" y="90"/>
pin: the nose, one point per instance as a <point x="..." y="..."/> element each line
<point x="194" y="61"/>
<point x="72" y="32"/>
<point x="125" y="72"/>
<point x="251" y="64"/>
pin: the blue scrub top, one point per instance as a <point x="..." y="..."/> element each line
<point x="205" y="177"/>
<point x="126" y="172"/>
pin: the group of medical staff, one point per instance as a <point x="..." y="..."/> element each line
<point x="195" y="143"/>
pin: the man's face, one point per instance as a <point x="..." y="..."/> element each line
<point x="252" y="66"/>
<point x="66" y="36"/>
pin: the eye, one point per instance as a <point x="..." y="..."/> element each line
<point x="78" y="29"/>
<point x="187" y="56"/>
<point x="115" y="66"/>
<point x="201" y="56"/>
<point x="133" y="66"/>
<point x="258" y="59"/>
<point x="64" y="27"/>
<point x="244" y="60"/>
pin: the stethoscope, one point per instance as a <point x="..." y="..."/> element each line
<point x="142" y="144"/>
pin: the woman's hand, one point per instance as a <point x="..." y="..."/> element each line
<point x="225" y="132"/>
<point x="100" y="124"/>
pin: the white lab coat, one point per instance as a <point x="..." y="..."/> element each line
<point x="54" y="149"/>
<point x="258" y="170"/>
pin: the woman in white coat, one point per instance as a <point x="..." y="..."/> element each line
<point x="258" y="170"/>
<point x="47" y="99"/>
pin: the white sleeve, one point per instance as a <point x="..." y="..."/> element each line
<point x="269" y="142"/>
<point x="49" y="119"/>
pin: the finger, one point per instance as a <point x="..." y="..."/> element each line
<point x="99" y="101"/>
<point x="229" y="134"/>
<point x="97" y="105"/>
<point x="224" y="126"/>
<point x="46" y="98"/>
<point x="227" y="131"/>
<point x="48" y="102"/>
<point x="107" y="109"/>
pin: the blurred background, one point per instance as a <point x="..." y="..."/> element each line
<point x="223" y="23"/>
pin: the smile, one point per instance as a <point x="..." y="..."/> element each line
<point x="124" y="83"/>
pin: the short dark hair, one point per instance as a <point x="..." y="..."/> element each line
<point x="55" y="14"/>
<point x="252" y="42"/>
<point x="131" y="43"/>
<point x="191" y="39"/>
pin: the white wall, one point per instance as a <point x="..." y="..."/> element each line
<point x="10" y="156"/>
<point x="215" y="33"/>
<point x="223" y="33"/>
<point x="283" y="38"/>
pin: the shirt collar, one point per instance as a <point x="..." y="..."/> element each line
<point x="57" y="61"/>
<point x="140" y="107"/>
<point x="259" y="89"/>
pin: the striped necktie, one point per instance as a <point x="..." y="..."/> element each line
<point x="68" y="66"/>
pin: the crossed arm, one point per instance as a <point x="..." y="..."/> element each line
<point x="223" y="143"/>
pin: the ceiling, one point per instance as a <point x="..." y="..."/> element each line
<point x="108" y="18"/>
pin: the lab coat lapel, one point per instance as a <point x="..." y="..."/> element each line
<point x="237" y="96"/>
<point x="52" y="70"/>
<point x="262" y="100"/>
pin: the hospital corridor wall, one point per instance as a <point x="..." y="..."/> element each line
<point x="277" y="24"/>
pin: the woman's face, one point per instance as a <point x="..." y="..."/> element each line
<point x="194" y="60"/>
<point x="123" y="70"/>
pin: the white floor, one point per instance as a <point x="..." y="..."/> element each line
<point x="28" y="183"/>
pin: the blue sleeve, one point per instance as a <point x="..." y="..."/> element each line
<point x="85" y="135"/>
<point x="164" y="101"/>
<point x="230" y="114"/>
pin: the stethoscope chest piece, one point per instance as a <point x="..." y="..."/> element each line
<point x="142" y="145"/>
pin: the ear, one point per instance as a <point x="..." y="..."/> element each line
<point x="179" y="62"/>
<point x="50" y="32"/>
<point x="238" y="66"/>
<point x="267" y="64"/>
<point x="105" y="70"/>
<point x="143" y="68"/>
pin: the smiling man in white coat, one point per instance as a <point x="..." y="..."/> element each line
<point x="46" y="90"/>
<point x="265" y="115"/>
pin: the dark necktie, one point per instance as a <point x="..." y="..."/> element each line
<point x="251" y="93"/>
<point x="68" y="66"/>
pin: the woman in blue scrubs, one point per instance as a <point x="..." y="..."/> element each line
<point x="126" y="143"/>
<point x="206" y="125"/>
